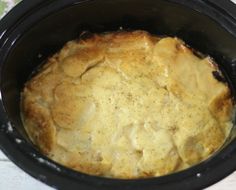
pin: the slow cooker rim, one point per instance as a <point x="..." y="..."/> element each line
<point x="8" y="141"/>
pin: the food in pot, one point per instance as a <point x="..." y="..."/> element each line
<point x="127" y="105"/>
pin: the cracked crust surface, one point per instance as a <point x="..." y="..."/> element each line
<point x="127" y="105"/>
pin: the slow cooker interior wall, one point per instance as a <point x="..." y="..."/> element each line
<point x="160" y="17"/>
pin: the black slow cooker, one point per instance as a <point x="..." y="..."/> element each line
<point x="34" y="30"/>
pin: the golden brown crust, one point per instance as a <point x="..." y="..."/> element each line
<point x="41" y="128"/>
<point x="127" y="105"/>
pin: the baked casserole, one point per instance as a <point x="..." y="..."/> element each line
<point x="127" y="105"/>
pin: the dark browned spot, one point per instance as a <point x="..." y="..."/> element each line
<point x="178" y="46"/>
<point x="139" y="153"/>
<point x="173" y="129"/>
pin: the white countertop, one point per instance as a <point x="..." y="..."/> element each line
<point x="13" y="178"/>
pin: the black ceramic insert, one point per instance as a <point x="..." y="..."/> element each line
<point x="34" y="30"/>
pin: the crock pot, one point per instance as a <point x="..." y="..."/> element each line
<point x="34" y="30"/>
